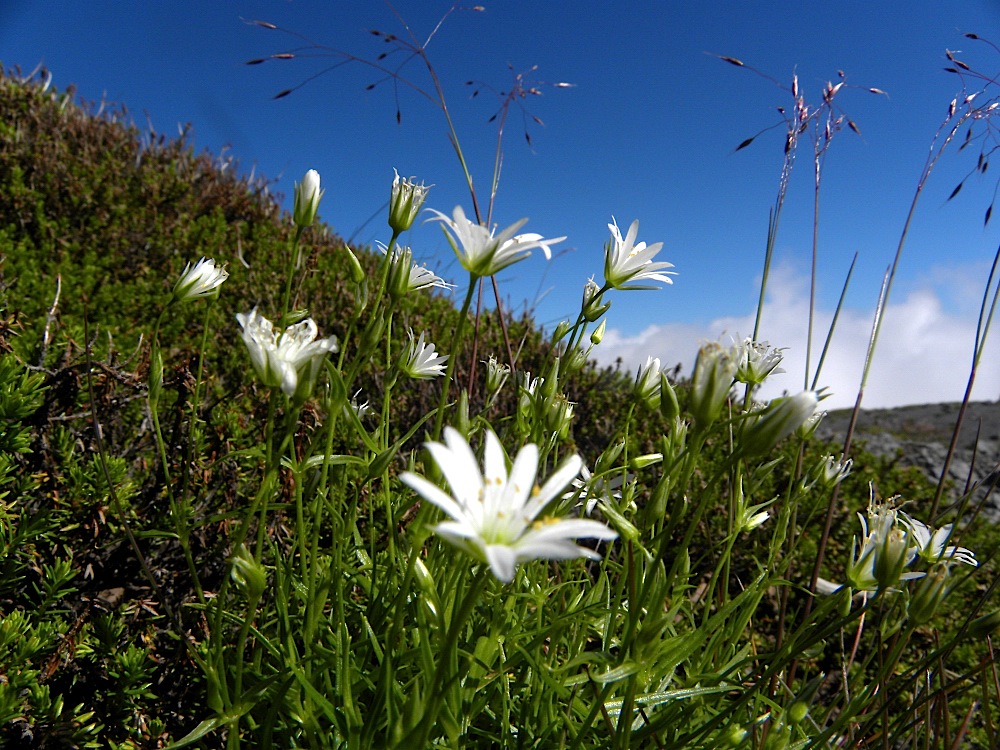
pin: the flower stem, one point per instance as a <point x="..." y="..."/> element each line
<point x="456" y="348"/>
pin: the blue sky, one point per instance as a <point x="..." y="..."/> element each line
<point x="647" y="131"/>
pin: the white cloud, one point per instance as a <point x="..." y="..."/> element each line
<point x="924" y="351"/>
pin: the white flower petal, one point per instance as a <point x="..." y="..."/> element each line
<point x="490" y="518"/>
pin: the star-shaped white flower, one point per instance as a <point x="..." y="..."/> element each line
<point x="290" y="359"/>
<point x="756" y="360"/>
<point x="422" y="362"/>
<point x="931" y="543"/>
<point x="494" y="516"/>
<point x="406" y="276"/>
<point x="201" y="281"/>
<point x="626" y="261"/>
<point x="483" y="253"/>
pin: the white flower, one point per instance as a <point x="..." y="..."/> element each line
<point x="422" y="362"/>
<point x="884" y="549"/>
<point x="290" y="359"/>
<point x="307" y="195"/>
<point x="597" y="490"/>
<point x="930" y="543"/>
<point x="831" y="470"/>
<point x="481" y="252"/>
<point x="405" y="276"/>
<point x="361" y="408"/>
<point x="647" y="383"/>
<point x="625" y="261"/>
<point x="405" y="202"/>
<point x="528" y="240"/>
<point x="756" y="360"/>
<point x="201" y="281"/>
<point x="494" y="516"/>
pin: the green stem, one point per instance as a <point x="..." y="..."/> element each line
<point x="456" y="348"/>
<point x="294" y="262"/>
<point x="418" y="736"/>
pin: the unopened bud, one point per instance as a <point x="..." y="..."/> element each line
<point x="891" y="558"/>
<point x="669" y="406"/>
<point x="797" y="712"/>
<point x="496" y="376"/>
<point x="354" y="266"/>
<point x="248" y="574"/>
<point x="647" y="383"/>
<point x="928" y="595"/>
<point x="735" y="736"/>
<point x="597" y="336"/>
<point x="155" y="375"/>
<point x="307" y="196"/>
<point x="710" y="384"/>
<point x="780" y="418"/>
<point x="985" y="626"/>
<point x="647" y="459"/>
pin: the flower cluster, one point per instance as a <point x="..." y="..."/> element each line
<point x="891" y="543"/>
<point x="494" y="516"/>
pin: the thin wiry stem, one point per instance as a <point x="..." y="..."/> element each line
<point x="982" y="329"/>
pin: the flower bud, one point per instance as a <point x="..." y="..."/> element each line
<point x="797" y="712"/>
<point x="607" y="459"/>
<point x="984" y="626"/>
<point x="669" y="406"/>
<point x="496" y="377"/>
<point x="354" y="266"/>
<point x="598" y="336"/>
<point x="307" y="196"/>
<point x="249" y="574"/>
<point x="647" y="383"/>
<point x="780" y="418"/>
<point x="891" y="557"/>
<point x="462" y="423"/>
<point x="372" y="336"/>
<point x="428" y="588"/>
<point x="400" y="261"/>
<point x="155" y="375"/>
<point x="929" y="593"/>
<point x="405" y="203"/>
<point x="710" y="384"/>
<point x="593" y="302"/>
<point x="647" y="459"/>
<point x="735" y="736"/>
<point x="559" y="415"/>
<point x="561" y="330"/>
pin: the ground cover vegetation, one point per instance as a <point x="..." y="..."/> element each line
<point x="246" y="500"/>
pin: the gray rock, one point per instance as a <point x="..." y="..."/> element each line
<point x="919" y="436"/>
